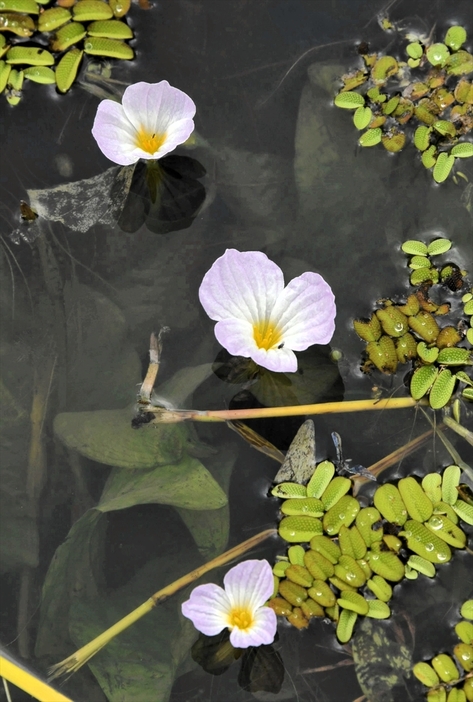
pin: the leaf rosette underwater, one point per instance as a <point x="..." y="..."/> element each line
<point x="426" y="98"/>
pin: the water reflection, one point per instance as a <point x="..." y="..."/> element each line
<point x="165" y="195"/>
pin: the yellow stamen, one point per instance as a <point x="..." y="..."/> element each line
<point x="241" y="619"/>
<point x="149" y="142"/>
<point x="266" y="335"/>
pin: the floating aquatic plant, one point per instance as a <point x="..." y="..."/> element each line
<point x="258" y="318"/>
<point x="344" y="558"/>
<point x="70" y="27"/>
<point x="426" y="98"/>
<point x="449" y="680"/>
<point x="410" y="332"/>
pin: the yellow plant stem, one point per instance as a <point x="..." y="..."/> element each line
<point x="165" y="416"/>
<point x="84" y="654"/>
<point x="28" y="682"/>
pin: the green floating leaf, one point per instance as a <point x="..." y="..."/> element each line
<point x="455" y="37"/>
<point x="417" y="262"/>
<point x="443" y="166"/>
<point x="467" y="609"/>
<point x="106" y="436"/>
<point x="40" y="74"/>
<point x="362" y="117"/>
<point x="439" y="246"/>
<point x="67" y="68"/>
<point x="414" y="50"/>
<point x="426" y="674"/>
<point x="429" y="157"/>
<point x="371" y="137"/>
<point x="414" y="247"/>
<point x="422" y="381"/>
<point x="421" y="137"/>
<point x="384" y="67"/>
<point x="460" y="63"/>
<point x="445" y="128"/>
<point x="463" y="150"/>
<point x="437" y="54"/>
<point x="349" y="100"/>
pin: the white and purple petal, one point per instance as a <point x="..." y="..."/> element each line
<point x="241" y="285"/>
<point x="208" y="608"/>
<point x="236" y="335"/>
<point x="305" y="311"/>
<point x="262" y="632"/>
<point x="278" y="360"/>
<point x="147" y="109"/>
<point x="114" y="134"/>
<point x="249" y="584"/>
<point x="153" y="107"/>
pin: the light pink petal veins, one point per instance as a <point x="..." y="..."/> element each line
<point x="241" y="285"/>
<point x="249" y="584"/>
<point x="208" y="608"/>
<point x="114" y="134"/>
<point x="306" y="311"/>
<point x="158" y="108"/>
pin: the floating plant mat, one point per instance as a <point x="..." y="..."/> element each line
<point x="428" y="92"/>
<point x="442" y="356"/>
<point x="71" y="29"/>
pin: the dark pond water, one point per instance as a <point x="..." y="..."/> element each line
<point x="283" y="175"/>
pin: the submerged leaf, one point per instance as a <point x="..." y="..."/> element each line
<point x="317" y="380"/>
<point x="186" y="484"/>
<point x="210" y="528"/>
<point x="75" y="570"/>
<point x="106" y="436"/>
<point x="141" y="663"/>
<point x="81" y="204"/>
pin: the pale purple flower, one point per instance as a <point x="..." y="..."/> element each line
<point x="257" y="317"/>
<point x="238" y="607"/>
<point x="152" y="120"/>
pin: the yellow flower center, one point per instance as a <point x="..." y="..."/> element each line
<point x="241" y="618"/>
<point x="149" y="142"/>
<point x="267" y="335"/>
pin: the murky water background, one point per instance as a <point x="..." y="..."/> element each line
<point x="283" y="175"/>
